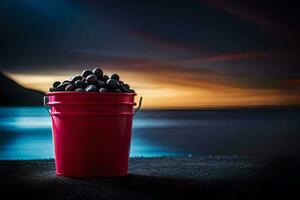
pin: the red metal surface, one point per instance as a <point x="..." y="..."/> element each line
<point x="91" y="132"/>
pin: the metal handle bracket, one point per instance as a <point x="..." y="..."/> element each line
<point x="139" y="106"/>
<point x="45" y="101"/>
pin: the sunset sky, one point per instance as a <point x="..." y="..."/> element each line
<point x="176" y="54"/>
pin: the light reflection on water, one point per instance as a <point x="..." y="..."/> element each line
<point x="21" y="123"/>
<point x="25" y="133"/>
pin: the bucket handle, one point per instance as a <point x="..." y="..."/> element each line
<point x="46" y="100"/>
<point x="139" y="106"/>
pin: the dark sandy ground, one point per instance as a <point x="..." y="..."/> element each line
<point x="159" y="178"/>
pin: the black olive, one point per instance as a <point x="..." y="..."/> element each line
<point x="92" y="79"/>
<point x="123" y="89"/>
<point x="75" y="78"/>
<point x="104" y="90"/>
<point x="61" y="87"/>
<point x="115" y="76"/>
<point x="101" y="84"/>
<point x="85" y="84"/>
<point x="66" y="82"/>
<point x="79" y="84"/>
<point x="116" y="90"/>
<point x="112" y="83"/>
<point x="86" y="73"/>
<point x="98" y="73"/>
<point x="69" y="88"/>
<point x="79" y="90"/>
<point x="131" y="91"/>
<point x="126" y="86"/>
<point x="52" y="89"/>
<point x="91" y="88"/>
<point x="56" y="83"/>
<point x="105" y="78"/>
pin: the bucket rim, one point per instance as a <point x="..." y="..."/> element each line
<point x="92" y="93"/>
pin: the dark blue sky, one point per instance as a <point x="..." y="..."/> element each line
<point x="244" y="44"/>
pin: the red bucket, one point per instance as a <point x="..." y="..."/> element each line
<point x="91" y="132"/>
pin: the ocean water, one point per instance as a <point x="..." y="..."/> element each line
<point x="25" y="133"/>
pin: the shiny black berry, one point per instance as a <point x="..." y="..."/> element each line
<point x="56" y="83"/>
<point x="61" y="87"/>
<point x="123" y="89"/>
<point x="112" y="83"/>
<point x="52" y="89"/>
<point x="98" y="73"/>
<point x="85" y="84"/>
<point x="126" y="86"/>
<point x="79" y="90"/>
<point x="75" y="78"/>
<point x="86" y="73"/>
<point x="105" y="78"/>
<point x="101" y="84"/>
<point x="131" y="91"/>
<point x="70" y="88"/>
<point x="115" y="76"/>
<point x="103" y="90"/>
<point x="91" y="88"/>
<point x="116" y="90"/>
<point x="92" y="79"/>
<point x="79" y="84"/>
<point x="66" y="82"/>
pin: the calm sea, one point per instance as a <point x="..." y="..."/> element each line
<point x="25" y="133"/>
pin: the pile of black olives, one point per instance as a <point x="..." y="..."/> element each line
<point x="92" y="81"/>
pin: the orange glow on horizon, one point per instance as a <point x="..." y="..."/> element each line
<point x="160" y="93"/>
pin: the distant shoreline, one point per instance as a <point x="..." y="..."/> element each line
<point x="226" y="108"/>
<point x="191" y="109"/>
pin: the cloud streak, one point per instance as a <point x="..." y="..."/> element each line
<point x="168" y="43"/>
<point x="246" y="13"/>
